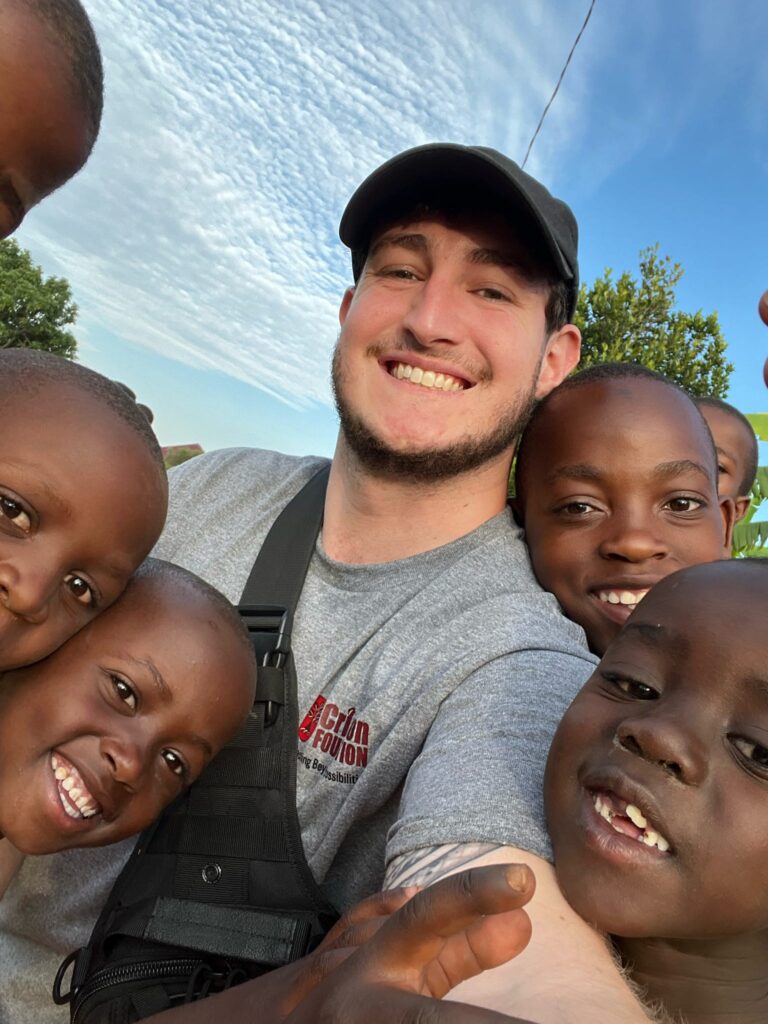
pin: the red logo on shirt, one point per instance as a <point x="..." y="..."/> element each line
<point x="339" y="734"/>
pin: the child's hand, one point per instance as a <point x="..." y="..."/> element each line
<point x="450" y="932"/>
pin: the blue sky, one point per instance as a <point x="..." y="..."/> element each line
<point x="200" y="240"/>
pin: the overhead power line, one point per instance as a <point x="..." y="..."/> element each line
<point x="562" y="75"/>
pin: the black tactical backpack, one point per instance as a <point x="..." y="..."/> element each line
<point x="219" y="890"/>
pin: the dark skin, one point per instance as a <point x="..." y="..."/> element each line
<point x="622" y="491"/>
<point x="82" y="502"/>
<point x="412" y="951"/>
<point x="671" y="735"/>
<point x="733" y="445"/>
<point x="121" y="719"/>
<point x="44" y="133"/>
<point x="762" y="308"/>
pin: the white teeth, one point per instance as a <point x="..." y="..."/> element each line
<point x="636" y="816"/>
<point x="631" y="598"/>
<point x="78" y="802"/>
<point x="426" y="378"/>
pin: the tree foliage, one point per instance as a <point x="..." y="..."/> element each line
<point x="34" y="310"/>
<point x="631" y="320"/>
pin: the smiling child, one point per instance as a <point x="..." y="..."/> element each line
<point x="83" y="496"/>
<point x="657" y="794"/>
<point x="616" y="486"/>
<point x="736" y="447"/>
<point x="99" y="737"/>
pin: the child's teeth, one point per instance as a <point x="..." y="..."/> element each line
<point x="613" y="598"/>
<point x="60" y="773"/>
<point x="636" y="816"/>
<point x="78" y="803"/>
<point x="662" y="844"/>
<point x="67" y="783"/>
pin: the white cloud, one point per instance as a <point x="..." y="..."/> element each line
<point x="205" y="225"/>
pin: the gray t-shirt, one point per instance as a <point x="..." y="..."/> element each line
<point x="435" y="683"/>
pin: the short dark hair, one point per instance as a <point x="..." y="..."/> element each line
<point x="750" y="464"/>
<point x="27" y="369"/>
<point x="70" y="29"/>
<point x="596" y="372"/>
<point x="158" y="568"/>
<point x="535" y="263"/>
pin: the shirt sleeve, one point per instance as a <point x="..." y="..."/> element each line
<point x="479" y="776"/>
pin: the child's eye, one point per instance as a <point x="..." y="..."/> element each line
<point x="752" y="751"/>
<point x="174" y="761"/>
<point x="630" y="687"/>
<point x="684" y="504"/>
<point x="576" y="508"/>
<point x="14" y="510"/>
<point x="124" y="691"/>
<point x="80" y="589"/>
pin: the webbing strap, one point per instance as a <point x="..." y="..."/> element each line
<point x="224" y="931"/>
<point x="278" y="574"/>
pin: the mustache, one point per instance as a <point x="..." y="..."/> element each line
<point x="444" y="352"/>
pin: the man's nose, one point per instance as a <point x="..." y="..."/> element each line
<point x="26" y="591"/>
<point x="433" y="316"/>
<point x="633" y="538"/>
<point x="670" y="741"/>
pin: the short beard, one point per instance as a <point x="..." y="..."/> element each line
<point x="433" y="464"/>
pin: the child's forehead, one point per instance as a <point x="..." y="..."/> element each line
<point x="608" y="411"/>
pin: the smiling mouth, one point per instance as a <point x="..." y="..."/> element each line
<point x="426" y="378"/>
<point x="627" y="819"/>
<point x="75" y="797"/>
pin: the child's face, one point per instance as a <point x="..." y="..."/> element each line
<point x="81" y="504"/>
<point x="733" y="451"/>
<point x="670" y="738"/>
<point x="131" y="710"/>
<point x="43" y="132"/>
<point x="621" y="492"/>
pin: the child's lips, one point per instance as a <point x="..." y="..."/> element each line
<point x="625" y="813"/>
<point x="618" y="601"/>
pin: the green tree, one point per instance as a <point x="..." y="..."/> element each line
<point x="34" y="310"/>
<point x="635" y="321"/>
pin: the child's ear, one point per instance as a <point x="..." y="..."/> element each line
<point x="741" y="504"/>
<point x="728" y="512"/>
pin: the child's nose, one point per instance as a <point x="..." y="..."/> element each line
<point x="126" y="756"/>
<point x="633" y="541"/>
<point x="668" y="742"/>
<point x="27" y="592"/>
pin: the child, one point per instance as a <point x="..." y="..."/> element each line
<point x="51" y="85"/>
<point x="83" y="496"/>
<point x="99" y="737"/>
<point x="736" y="447"/>
<point x="657" y="794"/>
<point x="616" y="486"/>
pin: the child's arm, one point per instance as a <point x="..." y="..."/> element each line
<point x="10" y="862"/>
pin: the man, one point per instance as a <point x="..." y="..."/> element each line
<point x="51" y="84"/>
<point x="421" y="628"/>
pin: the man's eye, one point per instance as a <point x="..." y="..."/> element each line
<point x="174" y="761"/>
<point x="125" y="691"/>
<point x="684" y="504"/>
<point x="630" y="687"/>
<point x="80" y="589"/>
<point x="399" y="273"/>
<point x="14" y="510"/>
<point x="752" y="751"/>
<point x="493" y="293"/>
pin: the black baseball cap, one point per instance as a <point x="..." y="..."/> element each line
<point x="445" y="167"/>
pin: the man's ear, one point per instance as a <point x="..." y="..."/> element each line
<point x="728" y="512"/>
<point x="561" y="355"/>
<point x="741" y="504"/>
<point x="346" y="302"/>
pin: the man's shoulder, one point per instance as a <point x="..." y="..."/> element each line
<point x="247" y="465"/>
